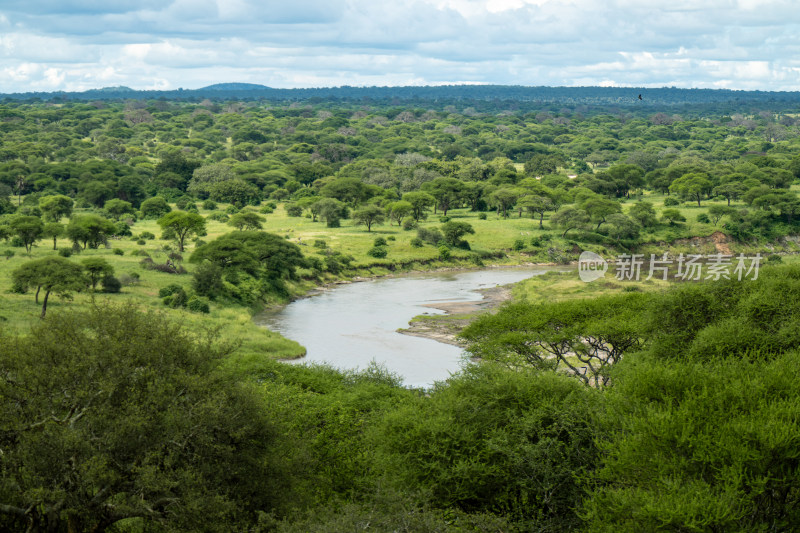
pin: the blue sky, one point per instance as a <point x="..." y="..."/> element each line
<point x="48" y="45"/>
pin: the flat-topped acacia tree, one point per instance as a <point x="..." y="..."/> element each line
<point x="179" y="225"/>
<point x="53" y="274"/>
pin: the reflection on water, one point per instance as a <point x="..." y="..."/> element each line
<point x="351" y="325"/>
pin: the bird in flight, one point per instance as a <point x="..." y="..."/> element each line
<point x="640" y="97"/>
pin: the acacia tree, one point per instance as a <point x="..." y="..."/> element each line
<point x="180" y="225"/>
<point x="369" y="215"/>
<point x="28" y="229"/>
<point x="53" y="274"/>
<point x="56" y="207"/>
<point x="113" y="414"/>
<point x="97" y="268"/>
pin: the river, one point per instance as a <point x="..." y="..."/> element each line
<point x="350" y="325"/>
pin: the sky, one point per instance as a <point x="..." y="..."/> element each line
<point x="74" y="45"/>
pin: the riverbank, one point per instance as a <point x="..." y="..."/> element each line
<point x="458" y="315"/>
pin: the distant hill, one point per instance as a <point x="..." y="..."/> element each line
<point x="234" y="87"/>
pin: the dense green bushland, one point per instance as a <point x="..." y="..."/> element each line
<point x="118" y="420"/>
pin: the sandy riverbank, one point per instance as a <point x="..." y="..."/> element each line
<point x="445" y="328"/>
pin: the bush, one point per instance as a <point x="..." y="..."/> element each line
<point x="219" y="217"/>
<point x="416" y="242"/>
<point x="671" y="202"/>
<point x="378" y="252"/>
<point x="431" y="236"/>
<point x="321" y="244"/>
<point x="169" y="290"/>
<point x="110" y="284"/>
<point x="129" y="279"/>
<point x="10" y="253"/>
<point x="207" y="279"/>
<point x="481" y="216"/>
<point x="266" y="210"/>
<point x="294" y="210"/>
<point x="409" y="223"/>
<point x="65" y="252"/>
<point x="176" y="300"/>
<point x="444" y="253"/>
<point x="231" y="209"/>
<point x="703" y="218"/>
<point x="444" y="219"/>
<point x="118" y="251"/>
<point x="147" y="235"/>
<point x="141" y="242"/>
<point x="519" y="244"/>
<point x="379" y="241"/>
<point x="198" y="305"/>
<point x="391" y="238"/>
<point x="209" y="205"/>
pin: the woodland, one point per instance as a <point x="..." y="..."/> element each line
<point x="140" y="232"/>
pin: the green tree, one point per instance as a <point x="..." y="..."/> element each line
<point x="453" y="231"/>
<point x="570" y="218"/>
<point x="116" y="208"/>
<point x="420" y="203"/>
<point x="693" y="185"/>
<point x="244" y="220"/>
<point x="672" y="216"/>
<point x="54" y="208"/>
<point x="644" y="213"/>
<point x="369" y="215"/>
<point x="599" y="209"/>
<point x="504" y="199"/>
<point x="399" y="210"/>
<point x="91" y="230"/>
<point x="53" y="230"/>
<point x="155" y="207"/>
<point x="181" y="225"/>
<point x="448" y="192"/>
<point x="731" y="190"/>
<point x="96" y="269"/>
<point x="716" y="212"/>
<point x="53" y="274"/>
<point x="29" y="229"/>
<point x="115" y="414"/>
<point x="536" y="204"/>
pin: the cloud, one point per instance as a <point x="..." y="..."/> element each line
<point x="81" y="44"/>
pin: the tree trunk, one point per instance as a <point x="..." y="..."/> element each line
<point x="44" y="304"/>
<point x="36" y="298"/>
<point x="541" y="218"/>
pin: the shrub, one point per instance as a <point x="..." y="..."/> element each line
<point x="147" y="235"/>
<point x="65" y="252"/>
<point x="321" y="244"/>
<point x="207" y="279"/>
<point x="444" y="253"/>
<point x="409" y="223"/>
<point x="444" y="219"/>
<point x="379" y="241"/>
<point x="231" y="209"/>
<point x="391" y="238"/>
<point x="703" y="218"/>
<point x="198" y="305"/>
<point x="118" y="251"/>
<point x="481" y="216"/>
<point x="431" y="236"/>
<point x="10" y="253"/>
<point x="169" y="290"/>
<point x="378" y="252"/>
<point x="266" y="210"/>
<point x="209" y="205"/>
<point x="129" y="279"/>
<point x="671" y="202"/>
<point x="519" y="244"/>
<point x="110" y="284"/>
<point x="416" y="242"/>
<point x="294" y="210"/>
<point x="141" y="242"/>
<point x="183" y="202"/>
<point x="219" y="217"/>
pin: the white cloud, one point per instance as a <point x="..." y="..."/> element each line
<point x="79" y="44"/>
